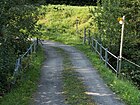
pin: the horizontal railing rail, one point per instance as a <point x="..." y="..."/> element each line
<point x="104" y="56"/>
<point x="99" y="49"/>
<point x="131" y="62"/>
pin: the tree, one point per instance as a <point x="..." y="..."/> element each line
<point x="18" y="22"/>
<point x="109" y="31"/>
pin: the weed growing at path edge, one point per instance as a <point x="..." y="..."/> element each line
<point x="122" y="87"/>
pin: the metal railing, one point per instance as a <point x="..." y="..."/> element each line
<point x="104" y="53"/>
<point x="21" y="63"/>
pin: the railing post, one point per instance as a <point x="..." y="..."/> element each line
<point x="84" y="39"/>
<point x="34" y="46"/>
<point x="89" y="38"/>
<point x="106" y="56"/>
<point x="121" y="44"/>
<point x="28" y="52"/>
<point x="92" y="42"/>
<point x="15" y="71"/>
<point x="117" y="67"/>
<point x="100" y="51"/>
<point x="96" y="45"/>
<point x="37" y="41"/>
<point x="20" y="62"/>
<point x="77" y="22"/>
<point x="31" y="49"/>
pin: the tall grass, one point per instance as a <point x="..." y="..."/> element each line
<point x="59" y="22"/>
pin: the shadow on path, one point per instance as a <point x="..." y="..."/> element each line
<point x="50" y="86"/>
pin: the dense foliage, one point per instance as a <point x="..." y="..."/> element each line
<point x="109" y="31"/>
<point x="73" y="2"/>
<point x="17" y="23"/>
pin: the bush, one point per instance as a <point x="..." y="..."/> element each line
<point x="109" y="30"/>
<point x="18" y="22"/>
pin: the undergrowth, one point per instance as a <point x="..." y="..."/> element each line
<point x="121" y="86"/>
<point x="22" y="92"/>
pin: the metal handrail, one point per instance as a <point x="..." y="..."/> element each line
<point x="131" y="62"/>
<point x="99" y="49"/>
<point x="106" y="56"/>
<point x="19" y="60"/>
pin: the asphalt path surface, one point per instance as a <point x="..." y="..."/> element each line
<point x="50" y="90"/>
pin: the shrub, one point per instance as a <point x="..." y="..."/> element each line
<point x="109" y="30"/>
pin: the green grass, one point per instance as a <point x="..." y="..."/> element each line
<point x="59" y="22"/>
<point x="22" y="93"/>
<point x="122" y="87"/>
<point x="60" y="26"/>
<point x="74" y="89"/>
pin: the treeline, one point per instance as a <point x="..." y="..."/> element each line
<point x="109" y="32"/>
<point x="17" y="24"/>
<point x="73" y="2"/>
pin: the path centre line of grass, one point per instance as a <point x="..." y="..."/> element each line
<point x="74" y="89"/>
<point x="22" y="93"/>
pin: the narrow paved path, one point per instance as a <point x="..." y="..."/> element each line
<point x="50" y="88"/>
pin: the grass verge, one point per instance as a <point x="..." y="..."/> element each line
<point x="122" y="87"/>
<point x="22" y="93"/>
<point x="74" y="89"/>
